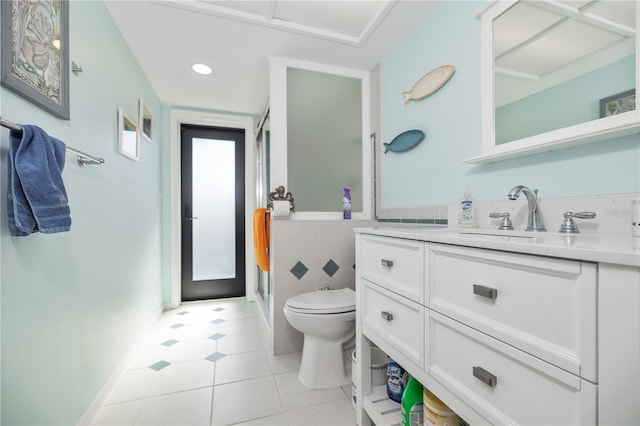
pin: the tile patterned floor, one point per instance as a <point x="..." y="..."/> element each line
<point x="208" y="363"/>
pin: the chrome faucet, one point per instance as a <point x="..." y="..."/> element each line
<point x="534" y="221"/>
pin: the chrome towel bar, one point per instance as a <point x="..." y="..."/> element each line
<point x="83" y="158"/>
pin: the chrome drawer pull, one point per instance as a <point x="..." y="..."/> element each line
<point x="484" y="291"/>
<point x="387" y="263"/>
<point x="386" y="315"/>
<point x="484" y="376"/>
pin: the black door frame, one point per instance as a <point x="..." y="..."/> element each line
<point x="225" y="287"/>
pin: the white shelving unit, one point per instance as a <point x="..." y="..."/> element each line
<point x="382" y="410"/>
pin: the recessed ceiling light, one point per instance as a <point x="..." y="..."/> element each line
<point x="202" y="69"/>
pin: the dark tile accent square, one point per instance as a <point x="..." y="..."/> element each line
<point x="169" y="342"/>
<point x="219" y="309"/>
<point x="299" y="270"/>
<point x="183" y="313"/>
<point x="177" y="325"/>
<point x="215" y="356"/>
<point x="217" y="321"/>
<point x="217" y="336"/>
<point x="159" y="365"/>
<point x="330" y="267"/>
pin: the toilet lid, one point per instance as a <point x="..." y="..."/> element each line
<point x="324" y="301"/>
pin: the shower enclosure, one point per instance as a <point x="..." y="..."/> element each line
<point x="263" y="282"/>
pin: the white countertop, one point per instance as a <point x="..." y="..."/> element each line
<point x="608" y="248"/>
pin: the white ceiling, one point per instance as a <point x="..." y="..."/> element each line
<point x="236" y="38"/>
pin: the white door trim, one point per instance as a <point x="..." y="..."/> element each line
<point x="179" y="117"/>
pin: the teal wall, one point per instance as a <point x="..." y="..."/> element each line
<point x="72" y="304"/>
<point x="434" y="172"/>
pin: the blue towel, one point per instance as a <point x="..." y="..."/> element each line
<point x="37" y="199"/>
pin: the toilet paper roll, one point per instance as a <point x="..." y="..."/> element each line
<point x="280" y="209"/>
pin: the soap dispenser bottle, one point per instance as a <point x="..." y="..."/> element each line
<point x="467" y="218"/>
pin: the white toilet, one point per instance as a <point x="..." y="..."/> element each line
<point x="327" y="318"/>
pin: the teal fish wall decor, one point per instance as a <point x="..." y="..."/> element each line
<point x="404" y="141"/>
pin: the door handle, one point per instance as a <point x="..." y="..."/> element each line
<point x="187" y="214"/>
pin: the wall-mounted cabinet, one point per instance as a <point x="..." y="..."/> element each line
<point x="556" y="76"/>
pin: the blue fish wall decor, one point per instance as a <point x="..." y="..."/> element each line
<point x="404" y="141"/>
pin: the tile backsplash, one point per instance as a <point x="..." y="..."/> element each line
<point x="613" y="212"/>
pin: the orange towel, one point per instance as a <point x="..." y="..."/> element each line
<point x="261" y="230"/>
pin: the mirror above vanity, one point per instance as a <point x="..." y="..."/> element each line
<point x="557" y="74"/>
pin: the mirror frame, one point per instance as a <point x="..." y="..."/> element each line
<point x="619" y="125"/>
<point x="278" y="124"/>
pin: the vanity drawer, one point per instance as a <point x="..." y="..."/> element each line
<point x="502" y="383"/>
<point x="544" y="306"/>
<point x="395" y="264"/>
<point x="395" y="319"/>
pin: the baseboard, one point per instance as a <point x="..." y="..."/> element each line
<point x="98" y="401"/>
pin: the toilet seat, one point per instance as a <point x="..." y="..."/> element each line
<point x="323" y="302"/>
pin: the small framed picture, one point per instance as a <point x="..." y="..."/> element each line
<point x="128" y="140"/>
<point x="145" y="118"/>
<point x="617" y="104"/>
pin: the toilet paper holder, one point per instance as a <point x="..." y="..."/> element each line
<point x="280" y="195"/>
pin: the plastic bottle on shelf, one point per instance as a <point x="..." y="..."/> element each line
<point x="396" y="380"/>
<point x="412" y="405"/>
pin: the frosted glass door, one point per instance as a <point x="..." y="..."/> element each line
<point x="213" y="212"/>
<point x="214" y="188"/>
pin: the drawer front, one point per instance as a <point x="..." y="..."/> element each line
<point x="395" y="319"/>
<point x="395" y="264"/>
<point x="544" y="306"/>
<point x="504" y="384"/>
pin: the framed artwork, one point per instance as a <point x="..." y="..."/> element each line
<point x="35" y="52"/>
<point x="145" y="118"/>
<point x="128" y="140"/>
<point x="617" y="104"/>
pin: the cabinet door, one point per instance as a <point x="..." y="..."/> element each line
<point x="392" y="320"/>
<point x="544" y="306"/>
<point x="504" y="384"/>
<point x="395" y="264"/>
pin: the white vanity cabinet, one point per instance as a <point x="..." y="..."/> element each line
<point x="501" y="337"/>
<point x="543" y="306"/>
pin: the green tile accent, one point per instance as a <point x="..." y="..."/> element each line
<point x="159" y="365"/>
<point x="215" y="356"/>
